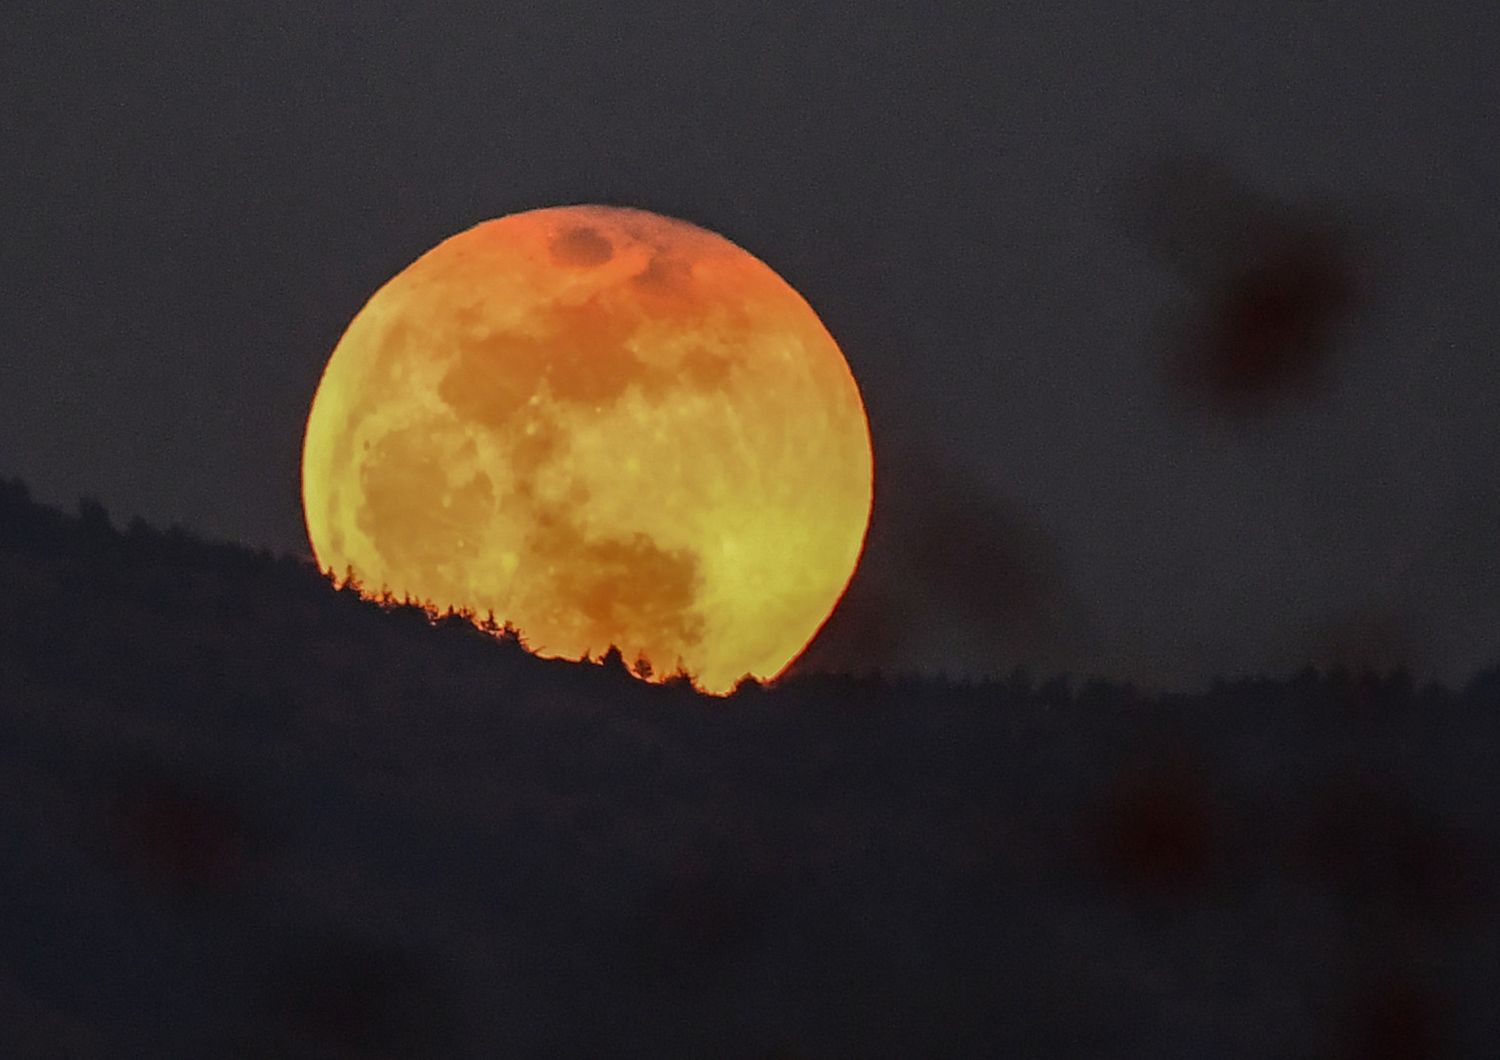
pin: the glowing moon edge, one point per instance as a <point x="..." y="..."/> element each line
<point x="601" y="426"/>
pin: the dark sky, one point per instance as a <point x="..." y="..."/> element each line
<point x="1176" y="323"/>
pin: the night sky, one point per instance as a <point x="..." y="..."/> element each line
<point x="1175" y="323"/>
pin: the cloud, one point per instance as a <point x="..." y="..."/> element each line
<point x="1270" y="285"/>
<point x="947" y="560"/>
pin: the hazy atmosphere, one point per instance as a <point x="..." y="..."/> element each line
<point x="1182" y="316"/>
<point x="435" y="443"/>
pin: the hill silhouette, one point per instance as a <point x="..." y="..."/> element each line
<point x="248" y="814"/>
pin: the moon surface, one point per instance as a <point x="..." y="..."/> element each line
<point x="605" y="427"/>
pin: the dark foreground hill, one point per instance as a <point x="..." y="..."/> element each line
<point x="247" y="815"/>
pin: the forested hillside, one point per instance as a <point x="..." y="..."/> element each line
<point x="247" y="814"/>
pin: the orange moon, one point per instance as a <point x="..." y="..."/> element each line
<point x="605" y="427"/>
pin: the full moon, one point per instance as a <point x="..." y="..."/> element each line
<point x="604" y="427"/>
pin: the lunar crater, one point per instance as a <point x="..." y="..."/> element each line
<point x="581" y="246"/>
<point x="628" y="591"/>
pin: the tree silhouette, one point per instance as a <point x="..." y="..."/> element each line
<point x="390" y="828"/>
